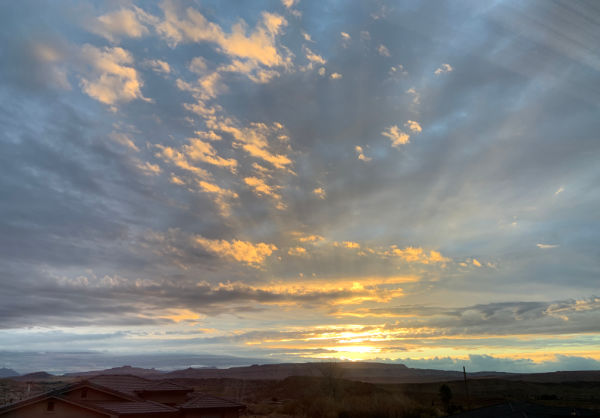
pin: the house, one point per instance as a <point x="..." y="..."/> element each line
<point x="113" y="396"/>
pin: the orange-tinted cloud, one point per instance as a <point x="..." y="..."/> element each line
<point x="243" y="251"/>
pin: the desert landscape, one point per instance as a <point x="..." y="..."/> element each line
<point x="351" y="389"/>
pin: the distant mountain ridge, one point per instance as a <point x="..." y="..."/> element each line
<point x="36" y="376"/>
<point x="4" y="372"/>
<point x="358" y="371"/>
<point x="135" y="371"/>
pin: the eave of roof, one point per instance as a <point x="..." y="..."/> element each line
<point x="35" y="398"/>
<point x="45" y="397"/>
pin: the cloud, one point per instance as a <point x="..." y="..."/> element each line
<point x="256" y="74"/>
<point x="383" y="51"/>
<point x="210" y="135"/>
<point x="261" y="188"/>
<point x="559" y="191"/>
<point x="124" y="22"/>
<point x="222" y="196"/>
<point x="444" y="68"/>
<point x="346" y="39"/>
<point x="360" y="154"/>
<point x="335" y="76"/>
<point x="397" y="136"/>
<point x="50" y="60"/>
<point x="246" y="252"/>
<point x="289" y="3"/>
<point x="158" y="66"/>
<point x="254" y="139"/>
<point x="123" y="139"/>
<point x="148" y="169"/>
<point x="320" y="192"/>
<point x="180" y="159"/>
<point x="416" y="97"/>
<point x="198" y="150"/>
<point x="413" y="126"/>
<point x="297" y="251"/>
<point x="417" y="255"/>
<point x="314" y="58"/>
<point x="176" y="180"/>
<point x="310" y="238"/>
<point x="546" y="246"/>
<point x="476" y="263"/>
<point x="111" y="78"/>
<point x="397" y="70"/>
<point x="258" y="46"/>
<point x="209" y="86"/>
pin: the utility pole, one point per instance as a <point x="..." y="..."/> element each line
<point x="466" y="388"/>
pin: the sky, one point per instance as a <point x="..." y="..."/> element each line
<point x="404" y="181"/>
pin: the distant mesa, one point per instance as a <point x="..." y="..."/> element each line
<point x="368" y="372"/>
<point x="134" y="371"/>
<point x="4" y="372"/>
<point x="359" y="371"/>
<point x="35" y="376"/>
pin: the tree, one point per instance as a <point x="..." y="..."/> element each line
<point x="446" y="396"/>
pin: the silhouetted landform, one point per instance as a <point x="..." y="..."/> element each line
<point x="34" y="376"/>
<point x="135" y="371"/>
<point x="525" y="409"/>
<point x="4" y="372"/>
<point x="370" y="372"/>
<point x="329" y="392"/>
<point x="357" y="371"/>
<point x="561" y="376"/>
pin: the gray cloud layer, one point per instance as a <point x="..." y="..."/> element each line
<point x="111" y="214"/>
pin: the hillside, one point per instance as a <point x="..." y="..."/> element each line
<point x="358" y="371"/>
<point x="136" y="371"/>
<point x="381" y="373"/>
<point x="4" y="372"/>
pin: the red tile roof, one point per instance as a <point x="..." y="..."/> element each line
<point x="133" y="385"/>
<point x="128" y="384"/>
<point x="124" y="408"/>
<point x="48" y="396"/>
<point x="208" y="401"/>
<point x="127" y="387"/>
<point x="165" y="385"/>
